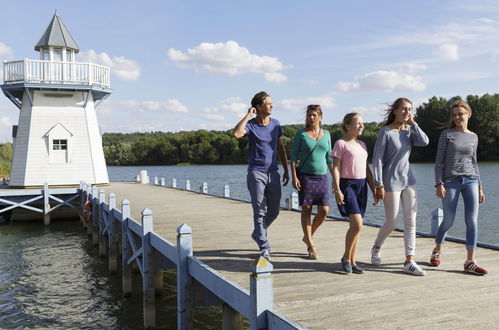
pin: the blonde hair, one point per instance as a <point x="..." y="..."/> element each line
<point x="347" y="120"/>
<point x="458" y="104"/>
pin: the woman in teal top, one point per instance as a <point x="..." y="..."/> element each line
<point x="312" y="148"/>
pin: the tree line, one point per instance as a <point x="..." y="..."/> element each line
<point x="219" y="147"/>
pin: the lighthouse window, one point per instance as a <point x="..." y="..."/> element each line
<point x="60" y="145"/>
<point x="58" y="54"/>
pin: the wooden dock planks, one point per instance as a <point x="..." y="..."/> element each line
<point x="316" y="293"/>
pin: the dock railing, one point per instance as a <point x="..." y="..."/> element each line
<point x="114" y="230"/>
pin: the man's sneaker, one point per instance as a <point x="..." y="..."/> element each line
<point x="435" y="258"/>
<point x="470" y="266"/>
<point x="414" y="269"/>
<point x="266" y="254"/>
<point x="375" y="256"/>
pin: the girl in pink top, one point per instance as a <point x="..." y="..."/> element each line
<point x="350" y="171"/>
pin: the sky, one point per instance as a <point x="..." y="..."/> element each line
<point x="189" y="65"/>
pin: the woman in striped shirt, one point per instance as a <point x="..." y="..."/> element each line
<point x="456" y="172"/>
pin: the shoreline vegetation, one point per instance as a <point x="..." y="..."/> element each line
<point x="204" y="147"/>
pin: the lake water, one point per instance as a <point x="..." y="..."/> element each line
<point x="217" y="176"/>
<point x="51" y="277"/>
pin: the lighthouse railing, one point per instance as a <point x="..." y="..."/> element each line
<point x="56" y="72"/>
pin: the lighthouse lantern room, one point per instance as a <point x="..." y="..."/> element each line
<point x="57" y="139"/>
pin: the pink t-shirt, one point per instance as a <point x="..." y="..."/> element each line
<point x="353" y="158"/>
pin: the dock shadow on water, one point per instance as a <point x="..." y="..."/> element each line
<point x="52" y="277"/>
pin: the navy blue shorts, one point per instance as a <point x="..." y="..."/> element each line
<point x="314" y="189"/>
<point x="355" y="196"/>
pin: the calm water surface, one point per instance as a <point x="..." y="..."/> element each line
<point x="51" y="277"/>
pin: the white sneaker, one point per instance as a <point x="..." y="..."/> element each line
<point x="266" y="254"/>
<point x="414" y="269"/>
<point x="376" y="256"/>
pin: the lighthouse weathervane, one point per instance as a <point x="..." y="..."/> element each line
<point x="57" y="138"/>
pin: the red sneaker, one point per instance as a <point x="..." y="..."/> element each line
<point x="435" y="258"/>
<point x="470" y="266"/>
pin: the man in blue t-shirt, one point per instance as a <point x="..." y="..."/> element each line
<point x="263" y="179"/>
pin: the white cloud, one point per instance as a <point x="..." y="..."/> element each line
<point x="386" y="81"/>
<point x="413" y="67"/>
<point x="231" y="104"/>
<point x="4" y="49"/>
<point x="213" y="117"/>
<point x="228" y="58"/>
<point x="448" y="52"/>
<point x="121" y="67"/>
<point x="171" y="105"/>
<point x="294" y="105"/>
<point x="5" y="121"/>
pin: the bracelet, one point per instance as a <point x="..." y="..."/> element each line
<point x="379" y="187"/>
<point x="439" y="184"/>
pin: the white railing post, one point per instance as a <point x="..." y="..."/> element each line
<point x="143" y="177"/>
<point x="90" y="74"/>
<point x="149" y="300"/>
<point x="203" y="189"/>
<point x="261" y="293"/>
<point x="95" y="217"/>
<point x="292" y="201"/>
<point x="226" y="191"/>
<point x="163" y="182"/>
<point x="46" y="204"/>
<point x="155" y="180"/>
<point x="184" y="281"/>
<point x="125" y="250"/>
<point x="25" y="69"/>
<point x="101" y="219"/>
<point x="187" y="185"/>
<point x="113" y="233"/>
<point x="174" y="183"/>
<point x="436" y="219"/>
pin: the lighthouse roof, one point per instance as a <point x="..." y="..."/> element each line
<point x="57" y="35"/>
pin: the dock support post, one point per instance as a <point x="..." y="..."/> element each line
<point x="46" y="204"/>
<point x="155" y="180"/>
<point x="232" y="320"/>
<point x="203" y="189"/>
<point x="174" y="183"/>
<point x="95" y="218"/>
<point x="292" y="201"/>
<point x="261" y="293"/>
<point x="102" y="225"/>
<point x="163" y="182"/>
<point x="436" y="219"/>
<point x="89" y="197"/>
<point x="125" y="249"/>
<point x="184" y="281"/>
<point x="149" y="297"/>
<point x="143" y="177"/>
<point x="112" y="231"/>
<point x="226" y="191"/>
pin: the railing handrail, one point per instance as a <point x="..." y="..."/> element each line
<point x="56" y="72"/>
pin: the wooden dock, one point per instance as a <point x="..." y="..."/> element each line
<point x="316" y="293"/>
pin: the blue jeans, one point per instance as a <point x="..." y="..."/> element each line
<point x="265" y="192"/>
<point x="468" y="187"/>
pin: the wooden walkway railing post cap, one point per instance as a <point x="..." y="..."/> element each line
<point x="149" y="300"/>
<point x="261" y="293"/>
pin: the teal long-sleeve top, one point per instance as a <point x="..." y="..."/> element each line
<point x="317" y="162"/>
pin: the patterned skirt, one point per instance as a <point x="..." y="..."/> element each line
<point x="314" y="189"/>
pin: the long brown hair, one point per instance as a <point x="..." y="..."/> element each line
<point x="390" y="116"/>
<point x="312" y="107"/>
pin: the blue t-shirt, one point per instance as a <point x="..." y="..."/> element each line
<point x="262" y="154"/>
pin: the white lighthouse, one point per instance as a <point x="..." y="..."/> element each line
<point x="57" y="139"/>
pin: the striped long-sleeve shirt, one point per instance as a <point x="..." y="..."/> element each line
<point x="456" y="155"/>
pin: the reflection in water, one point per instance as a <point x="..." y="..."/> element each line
<point x="51" y="277"/>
